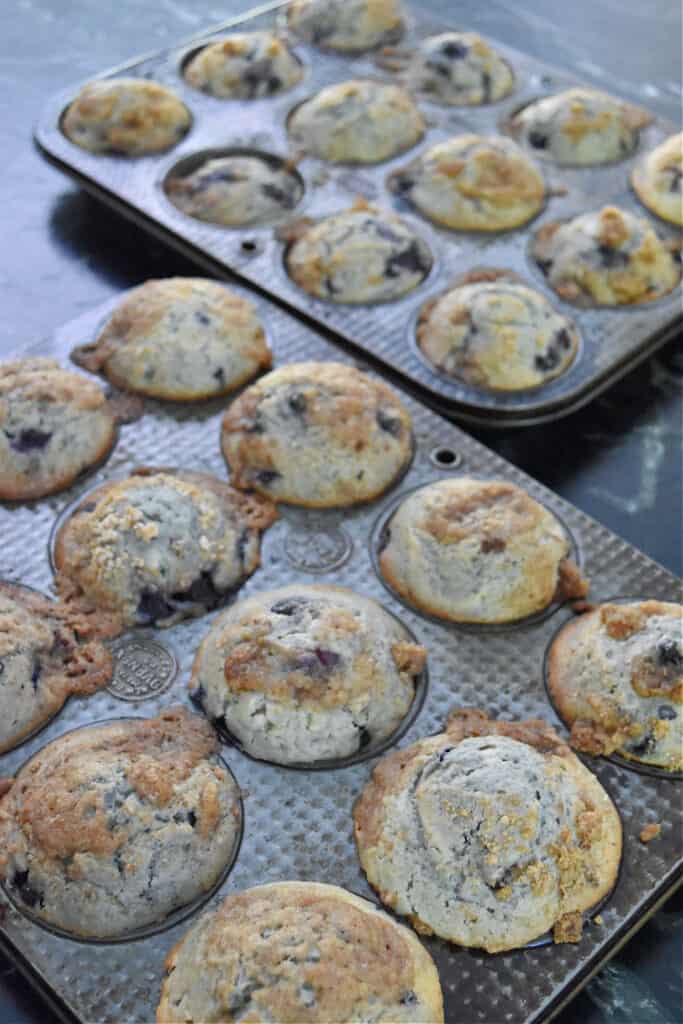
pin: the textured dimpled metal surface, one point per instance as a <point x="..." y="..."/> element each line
<point x="298" y="823"/>
<point x="612" y="340"/>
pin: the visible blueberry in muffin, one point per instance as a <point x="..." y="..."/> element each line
<point x="245" y="66"/>
<point x="658" y="179"/>
<point x="458" y="69"/>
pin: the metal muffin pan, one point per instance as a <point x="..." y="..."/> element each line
<point x="613" y="340"/>
<point x="297" y="824"/>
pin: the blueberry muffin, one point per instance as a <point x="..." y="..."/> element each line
<point x="459" y="69"/>
<point x="492" y="331"/>
<point x="159" y="546"/>
<point x="317" y="434"/>
<point x="352" y="962"/>
<point x="363" y="255"/>
<point x="360" y="122"/>
<point x="616" y="677"/>
<point x="606" y="258"/>
<point x="110" y="828"/>
<point x="480" y="551"/>
<point x="346" y="25"/>
<point x="180" y="339"/>
<point x="54" y="425"/>
<point x="658" y="180"/>
<point x="129" y="116"/>
<point x="307" y="673"/>
<point x="472" y="183"/>
<point x="47" y="654"/>
<point x="237" y="190"/>
<point x="580" y="127"/>
<point x="488" y="834"/>
<point x="244" y="66"/>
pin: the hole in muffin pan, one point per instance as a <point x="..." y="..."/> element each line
<point x="505" y="127"/>
<point x="591" y="759"/>
<point x="445" y="458"/>
<point x="187" y="165"/>
<point x="421" y="684"/>
<point x="378" y="540"/>
<point x="155" y="928"/>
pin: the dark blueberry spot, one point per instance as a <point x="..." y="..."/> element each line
<point x="191" y="818"/>
<point x="412" y="259"/>
<point x="289" y="606"/>
<point x="27" y="893"/>
<point x="185" y="816"/>
<point x="221" y="176"/>
<point x="644" y="746"/>
<point x="391" y="424"/>
<point x="35" y="674"/>
<point x="89" y="506"/>
<point x="402" y="183"/>
<point x="383" y="231"/>
<point x="364" y="738"/>
<point x="666" y="712"/>
<point x="242" y="542"/>
<point x="486" y="86"/>
<point x="256" y="75"/>
<point x="454" y="50"/>
<point x="548" y="360"/>
<point x="444" y="753"/>
<point x="408" y="998"/>
<point x="256" y="426"/>
<point x="328" y="659"/>
<point x="248" y="245"/>
<point x="319" y="662"/>
<point x="538" y="795"/>
<point x="274" y="83"/>
<point x="611" y="257"/>
<point x="439" y="67"/>
<point x="669" y="653"/>
<point x="238" y="1002"/>
<point x="545" y="266"/>
<point x="538" y="140"/>
<point x="153" y="606"/>
<point x="219" y="375"/>
<point x="266" y="476"/>
<point x="564" y="339"/>
<point x="297" y="403"/>
<point x="676" y="183"/>
<point x="202" y="318"/>
<point x="278" y="195"/>
<point x="29" y="440"/>
<point x="202" y="591"/>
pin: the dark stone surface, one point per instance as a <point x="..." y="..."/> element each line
<point x="618" y="459"/>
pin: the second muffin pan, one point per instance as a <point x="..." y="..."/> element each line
<point x="612" y="340"/>
<point x="297" y="824"/>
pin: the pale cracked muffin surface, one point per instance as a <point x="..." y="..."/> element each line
<point x="581" y="127"/>
<point x="481" y="551"/>
<point x="47" y="654"/>
<point x="180" y="339"/>
<point x="346" y="25"/>
<point x="472" y="183"/>
<point x="657" y="180"/>
<point x="159" y="546"/>
<point x="489" y="834"/>
<point x="493" y="331"/>
<point x="359" y="121"/>
<point x="352" y="963"/>
<point x="244" y="66"/>
<point x="317" y="434"/>
<point x="128" y="116"/>
<point x="236" y="190"/>
<point x="615" y="676"/>
<point x="458" y="69"/>
<point x="606" y="258"/>
<point x="110" y="828"/>
<point x="54" y="425"/>
<point x="307" y="673"/>
<point x="365" y="254"/>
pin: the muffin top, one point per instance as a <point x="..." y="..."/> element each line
<point x="582" y="127"/>
<point x="317" y="434"/>
<point x="616" y="678"/>
<point x="459" y="69"/>
<point x="47" y="654"/>
<point x="159" y="546"/>
<point x="488" y="834"/>
<point x="346" y="25"/>
<point x="492" y="331"/>
<point x="658" y="179"/>
<point x="605" y="258"/>
<point x="307" y="673"/>
<point x="481" y="551"/>
<point x="129" y="116"/>
<point x="53" y="425"/>
<point x="244" y="66"/>
<point x="358" y="121"/>
<point x="180" y="338"/>
<point x="364" y="254"/>
<point x="110" y="828"/>
<point x="472" y="183"/>
<point x="353" y="962"/>
<point x="237" y="190"/>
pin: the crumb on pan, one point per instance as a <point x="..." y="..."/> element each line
<point x="650" y="832"/>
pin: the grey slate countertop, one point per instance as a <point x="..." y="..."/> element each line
<point x="618" y="459"/>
